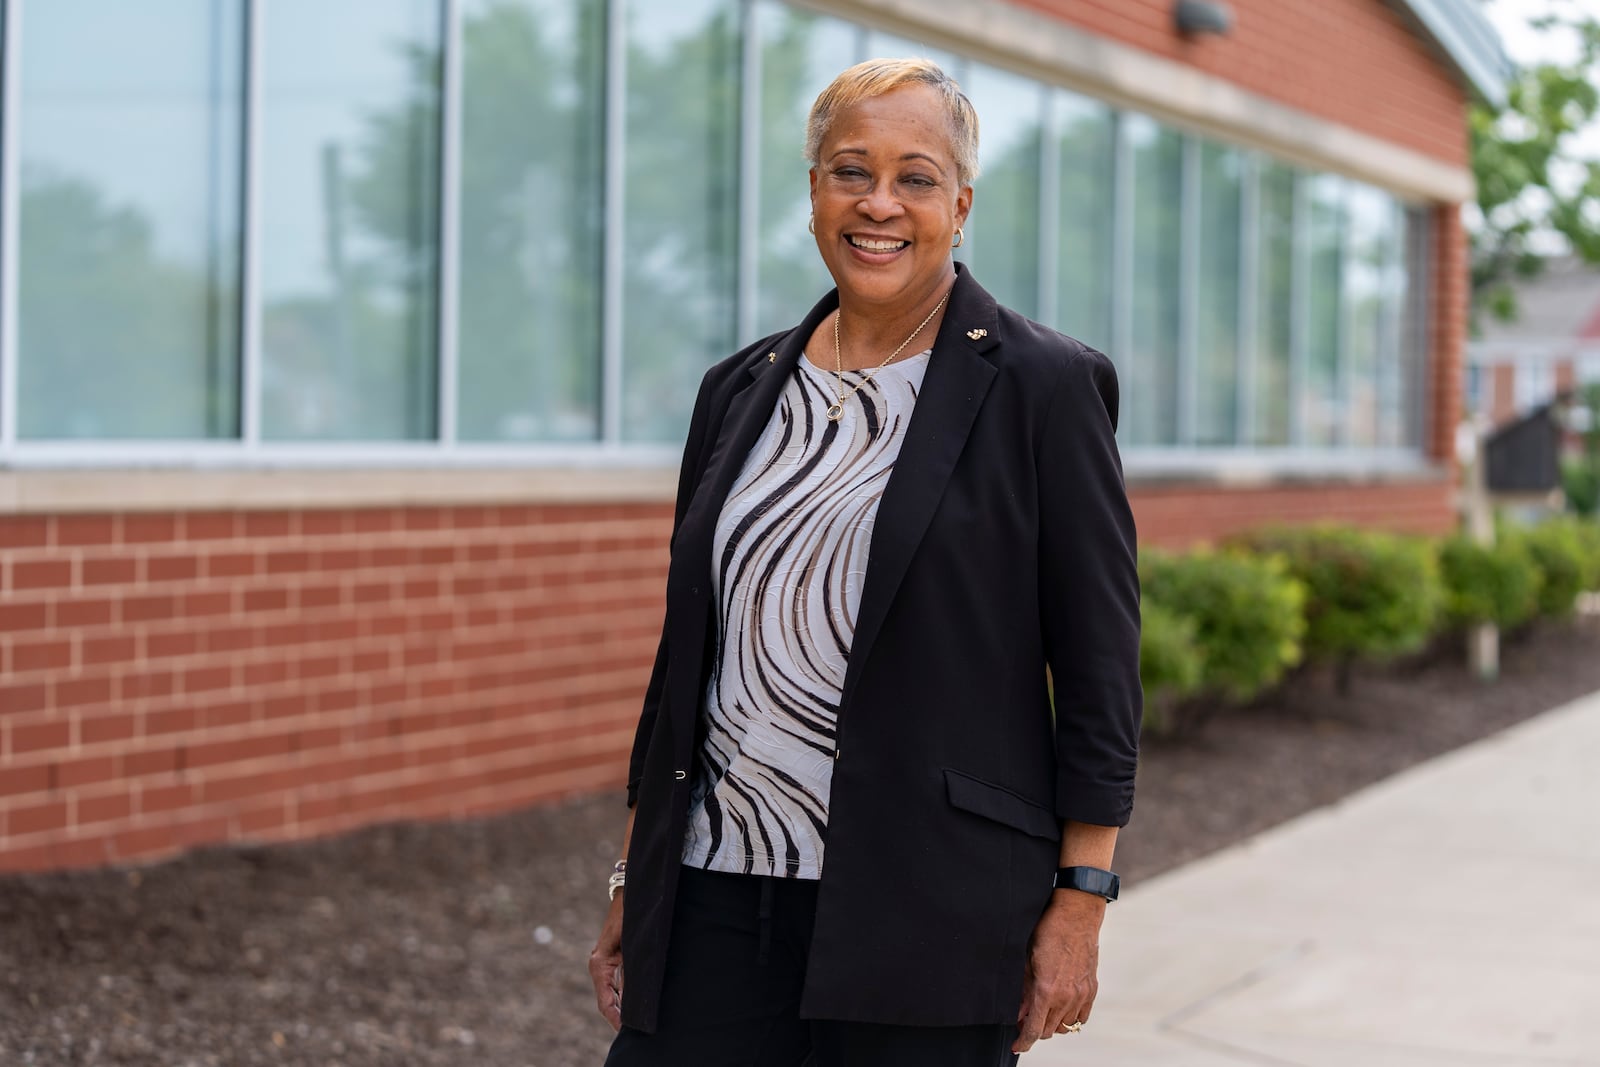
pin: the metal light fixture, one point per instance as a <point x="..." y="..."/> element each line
<point x="1194" y="17"/>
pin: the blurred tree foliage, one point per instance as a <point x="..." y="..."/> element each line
<point x="1530" y="181"/>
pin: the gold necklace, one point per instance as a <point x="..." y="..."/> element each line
<point x="836" y="410"/>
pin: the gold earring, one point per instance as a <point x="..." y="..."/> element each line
<point x="812" y="225"/>
<point x="960" y="237"/>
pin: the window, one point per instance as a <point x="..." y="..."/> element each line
<point x="349" y="219"/>
<point x="1368" y="310"/>
<point x="1275" y="268"/>
<point x="800" y="54"/>
<point x="1086" y="155"/>
<point x="1535" y="383"/>
<point x="1397" y="362"/>
<point x="1150" y="392"/>
<point x="1003" y="229"/>
<point x="532" y="183"/>
<point x="631" y="207"/>
<point x="1217" y="333"/>
<point x="681" y="209"/>
<point x="882" y="45"/>
<point x="1321" y="397"/>
<point x="130" y="214"/>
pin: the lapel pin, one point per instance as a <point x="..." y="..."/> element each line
<point x="772" y="357"/>
<point x="976" y="335"/>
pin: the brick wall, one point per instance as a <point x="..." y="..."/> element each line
<point x="1361" y="63"/>
<point x="172" y="679"/>
<point x="1179" y="515"/>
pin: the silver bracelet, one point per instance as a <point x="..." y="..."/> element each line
<point x="619" y="875"/>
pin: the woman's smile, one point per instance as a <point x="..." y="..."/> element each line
<point x="876" y="249"/>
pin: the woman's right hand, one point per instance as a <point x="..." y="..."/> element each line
<point x="605" y="965"/>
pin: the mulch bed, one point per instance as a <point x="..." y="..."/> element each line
<point x="467" y="943"/>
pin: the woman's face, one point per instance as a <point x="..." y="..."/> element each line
<point x="886" y="199"/>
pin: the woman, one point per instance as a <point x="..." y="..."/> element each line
<point x="851" y="795"/>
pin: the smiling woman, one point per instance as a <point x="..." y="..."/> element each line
<point x="902" y="510"/>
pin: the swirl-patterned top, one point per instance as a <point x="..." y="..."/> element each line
<point x="789" y="564"/>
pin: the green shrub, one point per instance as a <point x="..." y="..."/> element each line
<point x="1169" y="663"/>
<point x="1247" y="615"/>
<point x="1369" y="595"/>
<point x="1587" y="532"/>
<point x="1488" y="583"/>
<point x="1580" y="479"/>
<point x="1560" y="548"/>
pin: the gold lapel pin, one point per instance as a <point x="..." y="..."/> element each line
<point x="772" y="357"/>
<point x="976" y="335"/>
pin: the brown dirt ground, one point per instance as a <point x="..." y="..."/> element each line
<point x="453" y="943"/>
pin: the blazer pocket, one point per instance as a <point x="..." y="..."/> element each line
<point x="1001" y="804"/>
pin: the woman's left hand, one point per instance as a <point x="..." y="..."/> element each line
<point x="1059" y="986"/>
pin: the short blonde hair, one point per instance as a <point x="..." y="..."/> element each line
<point x="878" y="76"/>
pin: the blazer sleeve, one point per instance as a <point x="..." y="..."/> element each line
<point x="1089" y="594"/>
<point x="688" y="478"/>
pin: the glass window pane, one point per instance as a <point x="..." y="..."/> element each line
<point x="1415" y="334"/>
<point x="130" y="218"/>
<point x="1150" y="392"/>
<point x="349" y="219"/>
<point x="681" y="209"/>
<point x="1394" y="360"/>
<point x="1088" y="160"/>
<point x="1002" y="233"/>
<point x="800" y="54"/>
<point x="1367" y="270"/>
<point x="881" y="45"/>
<point x="533" y="138"/>
<point x="1274" y="302"/>
<point x="1320" y="399"/>
<point x="1217" y="329"/>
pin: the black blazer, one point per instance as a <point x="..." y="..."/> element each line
<point x="1003" y="544"/>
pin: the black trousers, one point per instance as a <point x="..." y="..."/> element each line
<point x="732" y="992"/>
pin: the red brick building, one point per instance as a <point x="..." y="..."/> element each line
<point x="340" y="415"/>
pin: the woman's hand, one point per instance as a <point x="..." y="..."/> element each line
<point x="605" y="965"/>
<point x="1063" y="957"/>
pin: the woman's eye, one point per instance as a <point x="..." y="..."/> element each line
<point x="920" y="181"/>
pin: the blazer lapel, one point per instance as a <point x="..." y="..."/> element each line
<point x="953" y="388"/>
<point x="747" y="415"/>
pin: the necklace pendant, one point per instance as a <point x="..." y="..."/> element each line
<point x="835" y="412"/>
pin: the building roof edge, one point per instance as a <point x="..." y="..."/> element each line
<point x="1470" y="42"/>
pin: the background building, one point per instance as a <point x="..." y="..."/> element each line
<point x="346" y="347"/>
<point x="1551" y="346"/>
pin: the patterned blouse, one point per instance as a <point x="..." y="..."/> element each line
<point x="790" y="562"/>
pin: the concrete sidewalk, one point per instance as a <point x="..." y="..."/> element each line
<point x="1448" y="915"/>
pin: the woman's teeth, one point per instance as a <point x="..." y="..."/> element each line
<point x="877" y="246"/>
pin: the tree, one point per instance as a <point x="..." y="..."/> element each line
<point x="1531" y="184"/>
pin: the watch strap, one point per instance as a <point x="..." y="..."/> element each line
<point x="1096" y="880"/>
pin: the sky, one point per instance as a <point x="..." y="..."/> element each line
<point x="1526" y="45"/>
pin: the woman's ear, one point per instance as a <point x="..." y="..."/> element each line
<point x="812" y="174"/>
<point x="963" y="205"/>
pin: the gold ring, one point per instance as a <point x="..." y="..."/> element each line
<point x="1070" y="1029"/>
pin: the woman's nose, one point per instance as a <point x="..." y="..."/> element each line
<point x="880" y="203"/>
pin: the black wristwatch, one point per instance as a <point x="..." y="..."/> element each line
<point x="1100" y="882"/>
